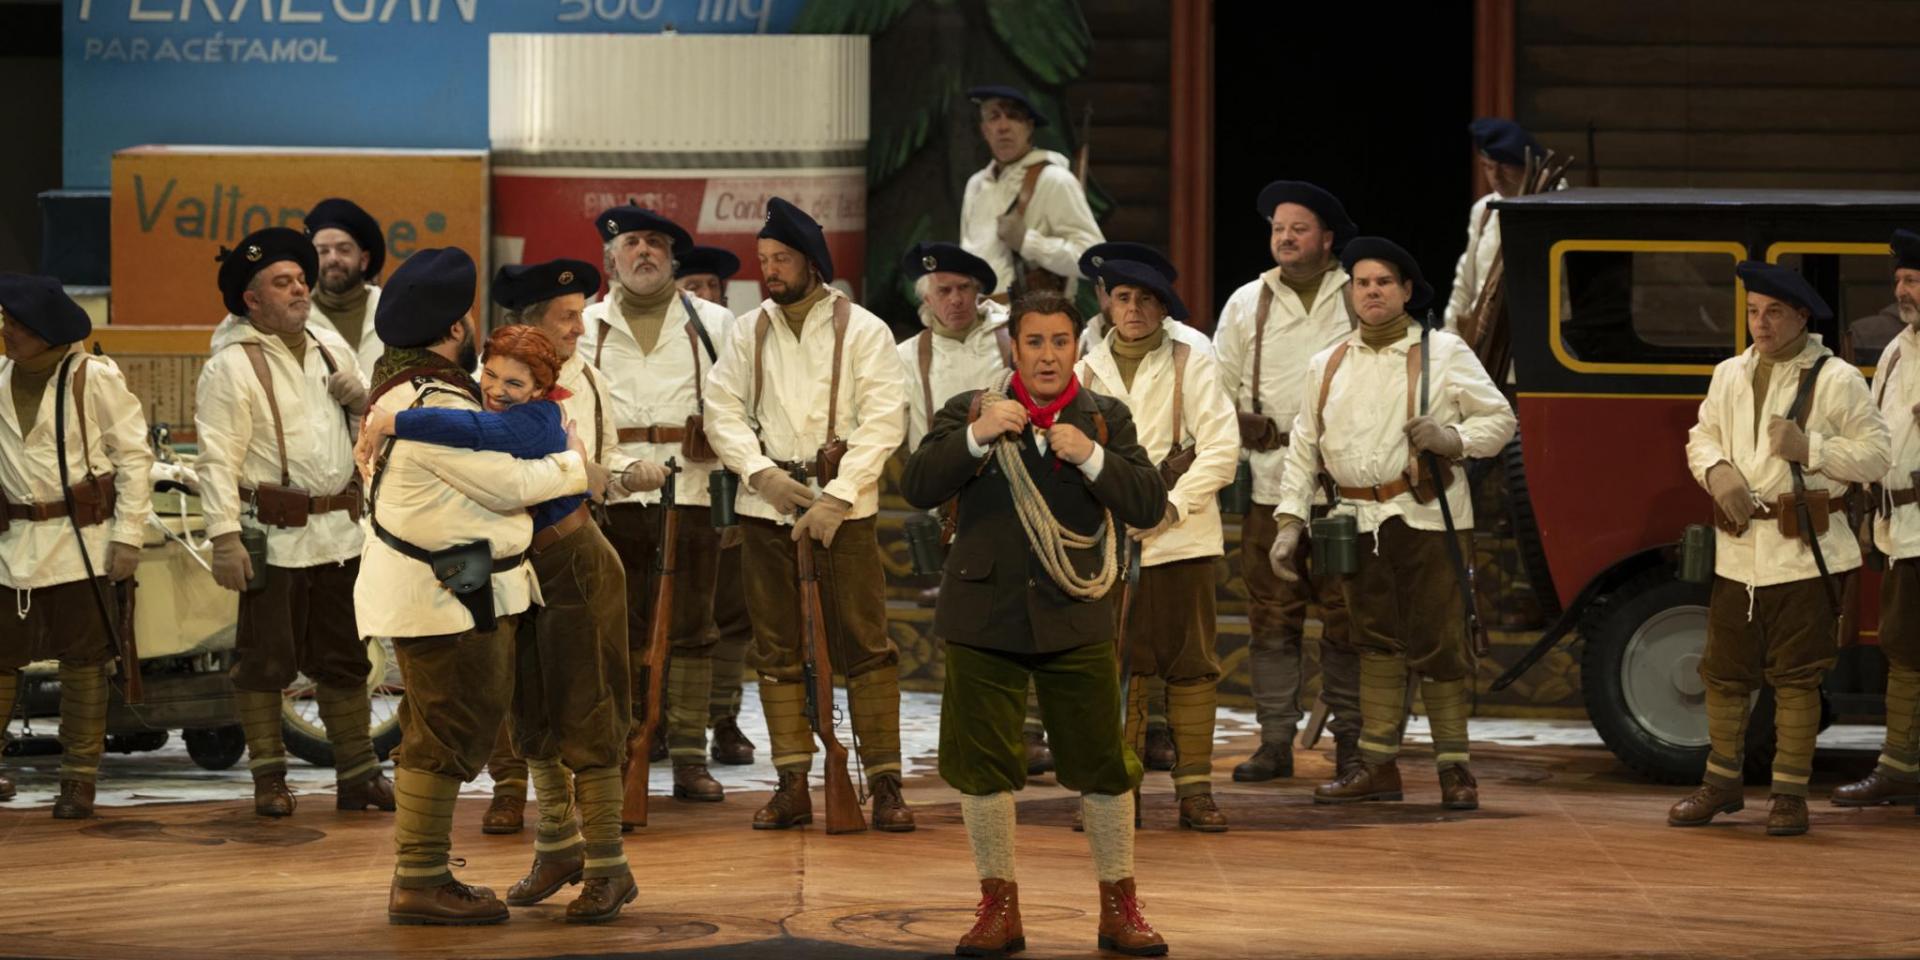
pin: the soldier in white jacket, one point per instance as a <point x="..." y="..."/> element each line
<point x="1896" y="532"/>
<point x="1097" y="327"/>
<point x="656" y="345"/>
<point x="1269" y="330"/>
<point x="1186" y="424"/>
<point x="1024" y="212"/>
<point x="275" y="409"/>
<point x="57" y="611"/>
<point x="807" y="403"/>
<point x="964" y="345"/>
<point x="1404" y="599"/>
<point x="1771" y="617"/>
<point x="1504" y="147"/>
<point x="468" y="509"/>
<point x="352" y="252"/>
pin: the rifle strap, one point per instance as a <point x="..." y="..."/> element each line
<point x="258" y="358"/>
<point x="80" y="413"/>
<point x="1799" y="412"/>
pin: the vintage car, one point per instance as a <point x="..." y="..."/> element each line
<point x="1621" y="301"/>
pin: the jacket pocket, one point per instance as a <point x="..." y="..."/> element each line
<point x="966" y="596"/>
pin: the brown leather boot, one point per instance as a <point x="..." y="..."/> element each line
<point x="546" y="877"/>
<point x="451" y="904"/>
<point x="1159" y="753"/>
<point x="1346" y="755"/>
<point x="271" y="798"/>
<point x="1458" y="789"/>
<point x="1875" y="790"/>
<point x="730" y="747"/>
<point x="1788" y="816"/>
<point x="6" y="788"/>
<point x="601" y="898"/>
<point x="1271" y="762"/>
<point x="374" y="791"/>
<point x="996" y="927"/>
<point x="694" y="784"/>
<point x="1697" y="809"/>
<point x="890" y="811"/>
<point x="506" y="814"/>
<point x="790" y="805"/>
<point x="1039" y="755"/>
<point x="1200" y="813"/>
<point x="1368" y="781"/>
<point x="1122" y="927"/>
<point x="75" y="801"/>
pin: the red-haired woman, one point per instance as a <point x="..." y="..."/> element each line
<point x="571" y="700"/>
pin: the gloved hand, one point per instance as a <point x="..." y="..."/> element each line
<point x="232" y="568"/>
<point x="822" y="520"/>
<point x="1787" y="440"/>
<point x="784" y="493"/>
<point x="1426" y="435"/>
<point x="641" y="476"/>
<point x="733" y="536"/>
<point x="1012" y="230"/>
<point x="345" y="388"/>
<point x="1167" y="519"/>
<point x="1285" y="542"/>
<point x="122" y="560"/>
<point x="1730" y="493"/>
<point x="599" y="481"/>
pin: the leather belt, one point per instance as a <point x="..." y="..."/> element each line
<point x="347" y="499"/>
<point x="1381" y="492"/>
<point x="1901" y="498"/>
<point x="545" y="537"/>
<point x="1834" y="505"/>
<point x="654" y="434"/>
<point x="90" y="513"/>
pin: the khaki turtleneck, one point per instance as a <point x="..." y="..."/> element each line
<point x="796" y="312"/>
<point x="1127" y="354"/>
<point x="940" y="328"/>
<point x="348" y="311"/>
<point x="1307" y="287"/>
<point x="1381" y="335"/>
<point x="296" y="344"/>
<point x="645" y="314"/>
<point x="1763" y="374"/>
<point x="30" y="384"/>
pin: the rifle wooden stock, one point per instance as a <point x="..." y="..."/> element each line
<point x="633" y="807"/>
<point x="843" y="805"/>
<point x="129" y="646"/>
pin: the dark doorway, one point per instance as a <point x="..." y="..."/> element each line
<point x="1370" y="103"/>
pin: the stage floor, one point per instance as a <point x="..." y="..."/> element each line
<point x="1569" y="857"/>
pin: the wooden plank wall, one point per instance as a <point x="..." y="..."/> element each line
<point x="1127" y="83"/>
<point x="1726" y="93"/>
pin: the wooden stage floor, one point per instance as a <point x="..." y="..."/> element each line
<point x="1569" y="857"/>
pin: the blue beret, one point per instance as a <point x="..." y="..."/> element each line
<point x="924" y="258"/>
<point x="1906" y="250"/>
<point x="430" y="292"/>
<point x="1503" y="140"/>
<point x="258" y="251"/>
<point x="1100" y="253"/>
<point x="360" y="225"/>
<point x="998" y="92"/>
<point x="40" y="304"/>
<point x="1784" y="284"/>
<point x="1380" y="248"/>
<point x="522" y="285"/>
<point x="714" y="260"/>
<point x="1326" y="206"/>
<point x="1116" y="273"/>
<point x="628" y="218"/>
<point x="791" y="225"/>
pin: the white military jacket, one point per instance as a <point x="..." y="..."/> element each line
<point x="1896" y="388"/>
<point x="237" y="444"/>
<point x="1206" y="421"/>
<point x="793" y="409"/>
<point x="658" y="388"/>
<point x="955" y="367"/>
<point x="1295" y="332"/>
<point x="44" y="553"/>
<point x="1846" y="443"/>
<point x="1060" y="225"/>
<point x="434" y="497"/>
<point x="367" y="352"/>
<point x="1476" y="261"/>
<point x="589" y="405"/>
<point x="1364" y="440"/>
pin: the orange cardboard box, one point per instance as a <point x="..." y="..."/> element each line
<point x="174" y="207"/>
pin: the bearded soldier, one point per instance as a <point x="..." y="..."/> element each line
<point x="810" y="387"/>
<point x="352" y="252"/>
<point x="101" y="493"/>
<point x="1781" y="434"/>
<point x="275" y="410"/>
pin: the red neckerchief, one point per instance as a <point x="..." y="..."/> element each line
<point x="1042" y="417"/>
<point x="557" y="393"/>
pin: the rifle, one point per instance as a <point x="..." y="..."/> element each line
<point x="1476" y="633"/>
<point x="122" y="640"/>
<point x="843" y="806"/>
<point x="633" y="808"/>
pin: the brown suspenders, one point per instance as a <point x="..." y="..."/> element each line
<point x="924" y="349"/>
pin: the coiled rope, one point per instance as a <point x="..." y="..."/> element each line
<point x="1049" y="538"/>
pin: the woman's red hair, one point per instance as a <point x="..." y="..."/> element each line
<point x="529" y="346"/>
